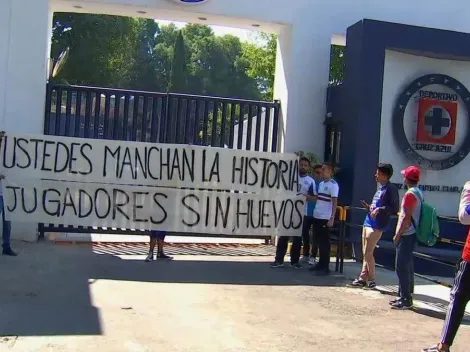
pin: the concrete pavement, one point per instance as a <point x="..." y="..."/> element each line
<point x="69" y="298"/>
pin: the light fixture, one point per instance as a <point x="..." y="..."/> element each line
<point x="142" y="12"/>
<point x="255" y="25"/>
<point x="202" y="18"/>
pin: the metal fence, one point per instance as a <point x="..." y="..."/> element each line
<point x="103" y="113"/>
<point x="127" y="115"/>
<point x="432" y="262"/>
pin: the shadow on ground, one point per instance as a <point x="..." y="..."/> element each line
<point x="45" y="291"/>
<point x="429" y="306"/>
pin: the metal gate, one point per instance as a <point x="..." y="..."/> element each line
<point x="125" y="115"/>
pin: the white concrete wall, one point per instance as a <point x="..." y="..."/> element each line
<point x="400" y="70"/>
<point x="24" y="50"/>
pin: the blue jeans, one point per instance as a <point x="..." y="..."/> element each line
<point x="404" y="264"/>
<point x="6" y="227"/>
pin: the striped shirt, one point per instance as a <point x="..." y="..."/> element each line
<point x="307" y="186"/>
<point x="324" y="207"/>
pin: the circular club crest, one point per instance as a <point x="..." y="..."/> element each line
<point x="189" y="2"/>
<point x="428" y="126"/>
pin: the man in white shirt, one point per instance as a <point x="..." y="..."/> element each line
<point x="324" y="217"/>
<point x="6" y="226"/>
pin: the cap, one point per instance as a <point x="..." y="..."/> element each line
<point x="411" y="173"/>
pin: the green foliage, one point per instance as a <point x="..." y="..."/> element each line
<point x="262" y="63"/>
<point x="144" y="70"/>
<point x="102" y="48"/>
<point x="139" y="54"/>
<point x="337" y="64"/>
<point x="179" y="76"/>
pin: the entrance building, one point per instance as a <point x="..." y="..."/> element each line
<point x="383" y="61"/>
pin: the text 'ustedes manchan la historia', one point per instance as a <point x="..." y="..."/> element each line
<point x="86" y="182"/>
<point x="136" y="163"/>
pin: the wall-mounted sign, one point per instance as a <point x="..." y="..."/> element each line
<point x="431" y="122"/>
<point x="189" y="2"/>
<point x="434" y="188"/>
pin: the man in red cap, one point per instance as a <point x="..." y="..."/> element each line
<point x="460" y="294"/>
<point x="405" y="238"/>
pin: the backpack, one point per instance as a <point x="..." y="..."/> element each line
<point x="427" y="231"/>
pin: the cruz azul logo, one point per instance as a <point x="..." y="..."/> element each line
<point x="431" y="122"/>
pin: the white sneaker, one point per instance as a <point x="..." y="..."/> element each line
<point x="312" y="261"/>
<point x="304" y="259"/>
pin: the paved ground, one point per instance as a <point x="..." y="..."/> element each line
<point x="68" y="298"/>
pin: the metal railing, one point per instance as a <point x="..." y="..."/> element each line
<point x="428" y="254"/>
<point x="128" y="115"/>
<point x="337" y="237"/>
<point x="340" y="235"/>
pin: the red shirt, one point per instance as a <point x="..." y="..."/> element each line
<point x="466" y="250"/>
<point x="464" y="217"/>
<point x="410" y="205"/>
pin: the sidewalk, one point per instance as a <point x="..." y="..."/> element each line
<point x="429" y="297"/>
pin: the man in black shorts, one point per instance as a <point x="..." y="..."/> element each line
<point x="157" y="238"/>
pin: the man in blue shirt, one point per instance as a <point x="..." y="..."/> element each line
<point x="384" y="204"/>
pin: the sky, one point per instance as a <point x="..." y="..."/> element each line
<point x="243" y="34"/>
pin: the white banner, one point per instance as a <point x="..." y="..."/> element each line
<point x="152" y="208"/>
<point x="136" y="163"/>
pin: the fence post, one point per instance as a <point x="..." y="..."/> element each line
<point x="342" y="237"/>
<point x="277" y="142"/>
<point x="340" y="211"/>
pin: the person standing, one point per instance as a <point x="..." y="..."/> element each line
<point x="6" y="226"/>
<point x="307" y="187"/>
<point x="460" y="293"/>
<point x="317" y="176"/>
<point x="324" y="218"/>
<point x="405" y="238"/>
<point x="384" y="204"/>
<point x="157" y="238"/>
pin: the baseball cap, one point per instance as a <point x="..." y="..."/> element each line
<point x="411" y="173"/>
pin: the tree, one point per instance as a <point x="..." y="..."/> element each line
<point x="144" y="74"/>
<point x="102" y="48"/>
<point x="216" y="65"/>
<point x="138" y="54"/>
<point x="178" y="79"/>
<point x="163" y="52"/>
<point x="337" y="64"/>
<point x="262" y="63"/>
